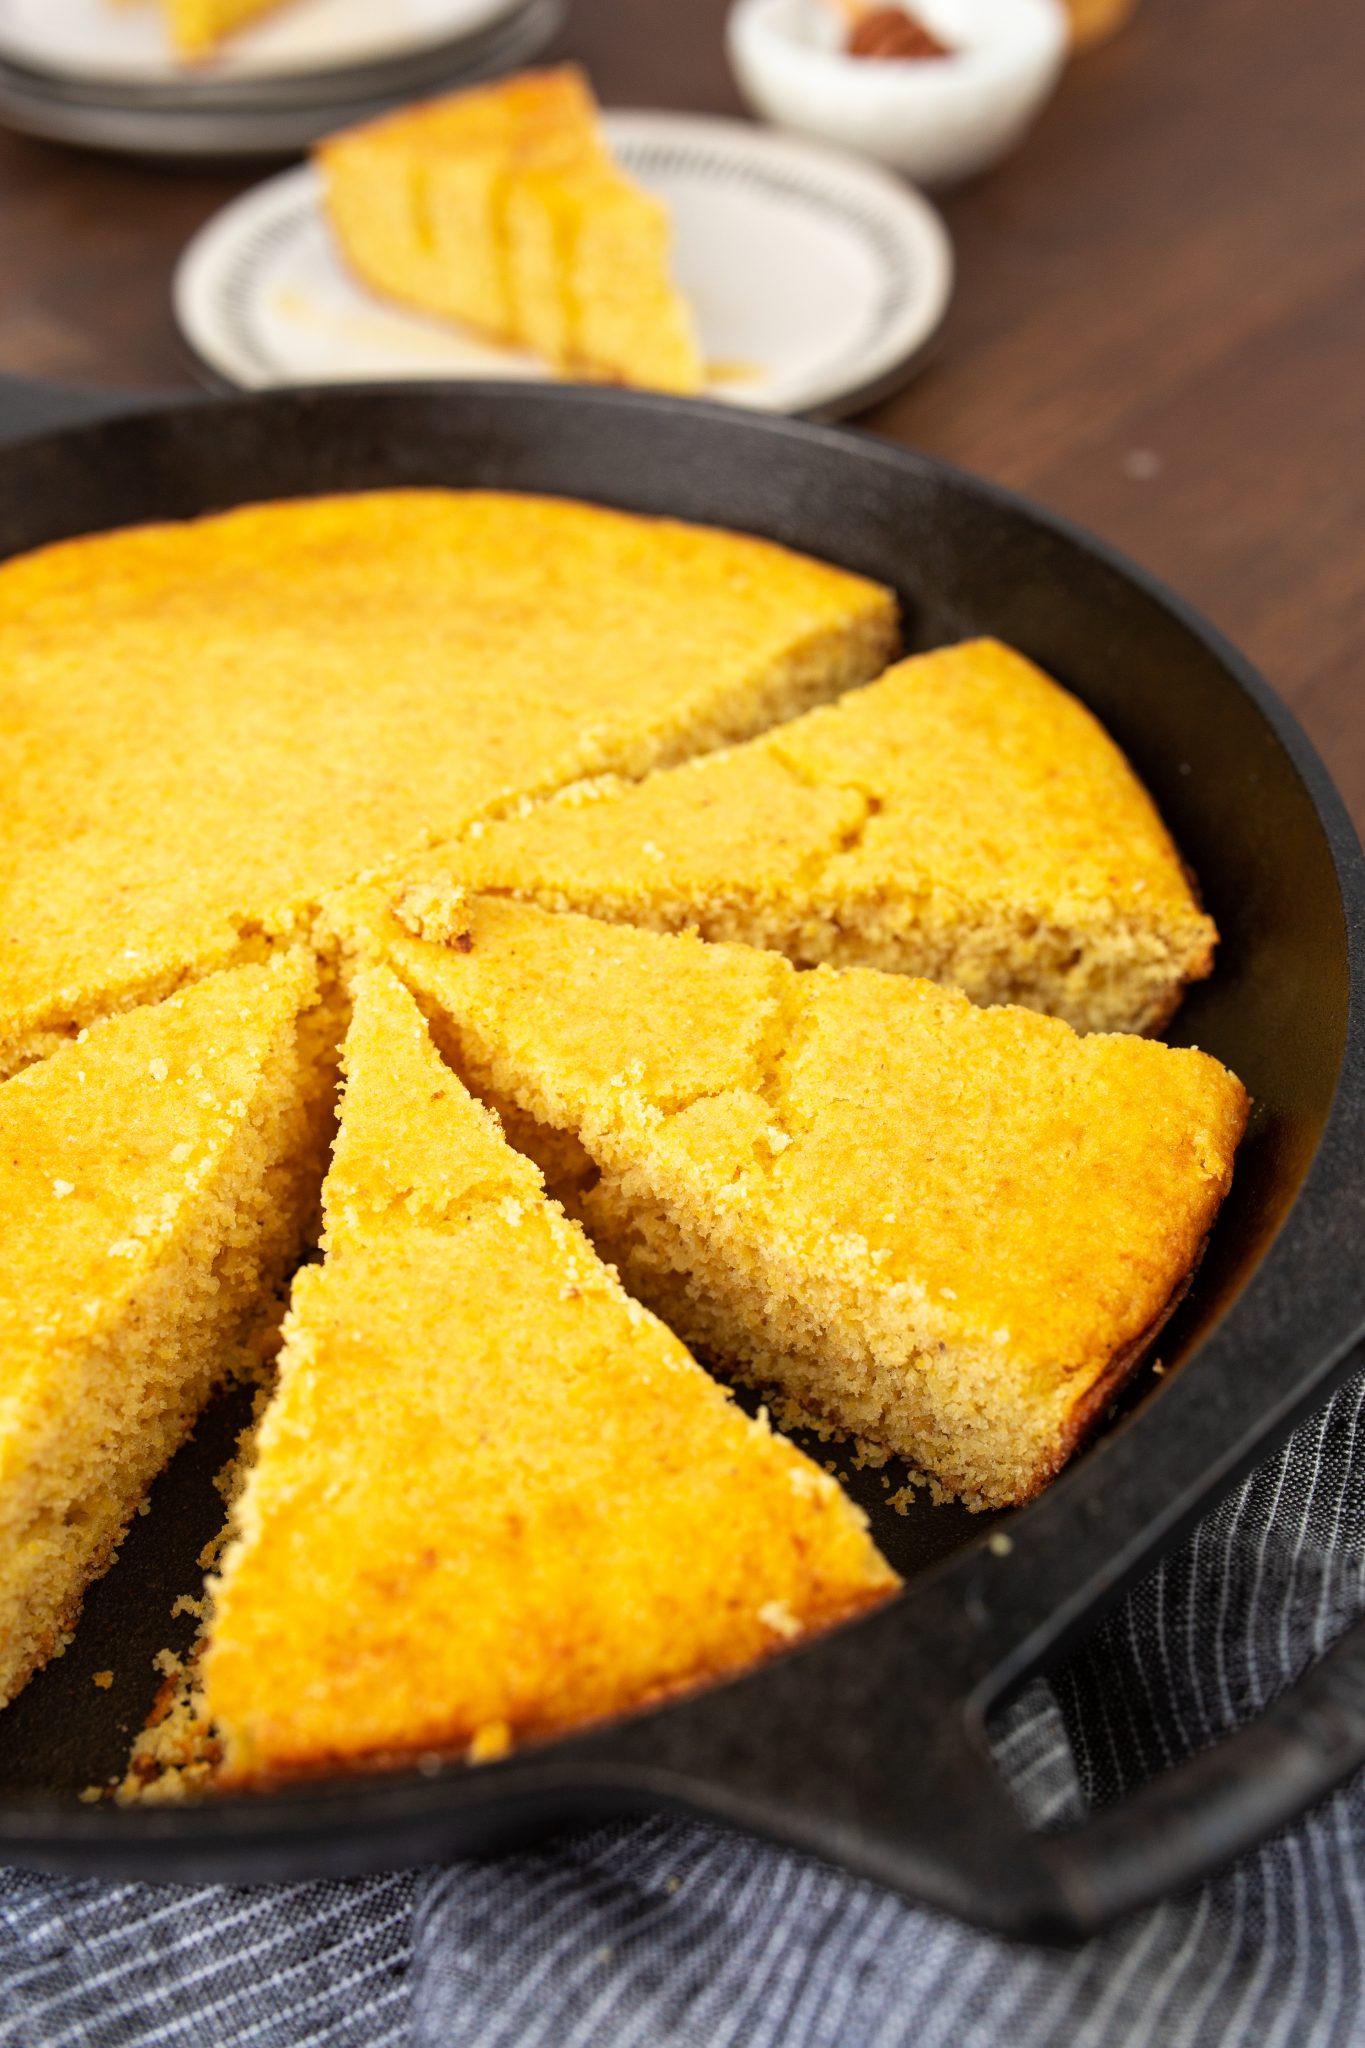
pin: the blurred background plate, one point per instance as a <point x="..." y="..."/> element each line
<point x="522" y="28"/>
<point x="217" y="121"/>
<point x="817" y="281"/>
<point x="126" y="41"/>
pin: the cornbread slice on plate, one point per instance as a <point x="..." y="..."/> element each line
<point x="493" y="1498"/>
<point x="159" y="1180"/>
<point x="501" y="207"/>
<point x="417" y="198"/>
<point x="963" y="818"/>
<point x="205" y="726"/>
<point x="952" y="1230"/>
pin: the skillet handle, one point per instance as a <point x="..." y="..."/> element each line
<point x="1167" y="1835"/>
<point x="862" y="1751"/>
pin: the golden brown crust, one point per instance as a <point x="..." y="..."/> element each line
<point x="343" y="1763"/>
<point x="1091" y="1408"/>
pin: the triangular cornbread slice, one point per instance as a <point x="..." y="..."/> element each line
<point x="949" y="1229"/>
<point x="336" y="682"/>
<point x="160" y="1176"/>
<point x="501" y="207"/>
<point x="418" y="197"/>
<point x="963" y="818"/>
<point x="492" y="1498"/>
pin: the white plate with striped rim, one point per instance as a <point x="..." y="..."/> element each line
<point x="818" y="281"/>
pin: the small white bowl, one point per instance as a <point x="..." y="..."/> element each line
<point x="937" y="119"/>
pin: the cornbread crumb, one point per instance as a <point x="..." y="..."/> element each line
<point x="491" y="1741"/>
<point x="776" y="1615"/>
<point x="559" y="1452"/>
<point x="1059" y="1188"/>
<point x="104" y="1679"/>
<point x="177" y="1755"/>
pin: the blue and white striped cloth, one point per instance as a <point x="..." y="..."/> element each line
<point x="665" y="1932"/>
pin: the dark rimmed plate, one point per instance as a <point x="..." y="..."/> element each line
<point x="868" y="1747"/>
<point x="222" y="119"/>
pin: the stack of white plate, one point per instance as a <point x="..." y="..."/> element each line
<point x="102" y="72"/>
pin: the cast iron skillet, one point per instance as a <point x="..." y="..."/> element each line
<point x="868" y="1746"/>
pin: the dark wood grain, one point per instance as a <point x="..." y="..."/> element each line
<point x="1159" y="326"/>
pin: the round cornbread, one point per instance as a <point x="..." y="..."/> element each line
<point x="276" y="783"/>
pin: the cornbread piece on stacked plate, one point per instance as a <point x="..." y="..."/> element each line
<point x="198" y="27"/>
<point x="584" y="1521"/>
<point x="159" y="1180"/>
<point x="963" y="819"/>
<point x="952" y="1230"/>
<point x="501" y="208"/>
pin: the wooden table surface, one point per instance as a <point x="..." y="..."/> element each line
<point x="1159" y="326"/>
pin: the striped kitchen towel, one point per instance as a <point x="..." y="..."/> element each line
<point x="666" y="1932"/>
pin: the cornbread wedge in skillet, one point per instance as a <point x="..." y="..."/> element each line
<point x="205" y="726"/>
<point x="158" y="1182"/>
<point x="963" y="818"/>
<point x="493" y="1498"/>
<point x="949" y="1229"/>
